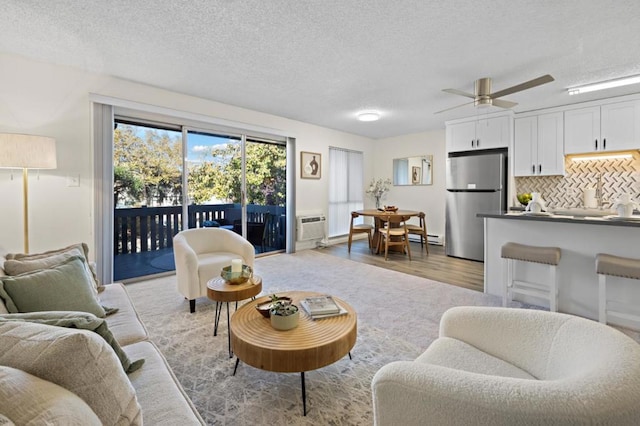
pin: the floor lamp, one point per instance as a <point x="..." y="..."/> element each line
<point x="26" y="152"/>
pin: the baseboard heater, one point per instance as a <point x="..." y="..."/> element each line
<point x="432" y="239"/>
<point x="311" y="227"/>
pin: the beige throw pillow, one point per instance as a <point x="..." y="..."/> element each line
<point x="27" y="399"/>
<point x="80" y="247"/>
<point x="15" y="267"/>
<point x="79" y="361"/>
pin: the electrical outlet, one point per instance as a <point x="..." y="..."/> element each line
<point x="73" y="180"/>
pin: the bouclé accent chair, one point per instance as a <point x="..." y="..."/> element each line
<point x="503" y="366"/>
<point x="200" y="255"/>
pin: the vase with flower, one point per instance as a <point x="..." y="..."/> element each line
<point x="378" y="188"/>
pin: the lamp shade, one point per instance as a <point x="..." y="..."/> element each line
<point x="27" y="151"/>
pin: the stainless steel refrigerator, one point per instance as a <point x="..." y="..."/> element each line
<point x="476" y="183"/>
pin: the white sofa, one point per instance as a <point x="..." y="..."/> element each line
<point x="201" y="253"/>
<point x="153" y="386"/>
<point x="501" y="366"/>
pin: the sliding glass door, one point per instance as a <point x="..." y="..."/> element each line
<point x="231" y="181"/>
<point x="266" y="188"/>
<point x="147" y="198"/>
<point x="238" y="183"/>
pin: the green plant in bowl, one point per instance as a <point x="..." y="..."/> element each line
<point x="265" y="307"/>
<point x="284" y="315"/>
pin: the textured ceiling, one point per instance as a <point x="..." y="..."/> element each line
<point x="320" y="61"/>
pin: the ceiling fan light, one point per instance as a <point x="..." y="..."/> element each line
<point x="368" y="116"/>
<point x="602" y="85"/>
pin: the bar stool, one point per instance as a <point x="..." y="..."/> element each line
<point x="360" y="228"/>
<point x="614" y="266"/>
<point x="512" y="252"/>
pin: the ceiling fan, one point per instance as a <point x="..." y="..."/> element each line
<point x="483" y="96"/>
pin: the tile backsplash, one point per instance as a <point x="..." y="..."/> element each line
<point x="618" y="176"/>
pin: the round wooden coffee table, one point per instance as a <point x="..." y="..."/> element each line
<point x="222" y="292"/>
<point x="311" y="345"/>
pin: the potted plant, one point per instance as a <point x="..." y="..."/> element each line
<point x="378" y="188"/>
<point x="284" y="315"/>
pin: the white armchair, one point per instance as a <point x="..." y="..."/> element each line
<point x="501" y="366"/>
<point x="200" y="255"/>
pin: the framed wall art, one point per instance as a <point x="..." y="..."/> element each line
<point x="416" y="175"/>
<point x="310" y="165"/>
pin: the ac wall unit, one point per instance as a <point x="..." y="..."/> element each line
<point x="311" y="227"/>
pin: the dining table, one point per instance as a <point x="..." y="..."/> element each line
<point x="379" y="216"/>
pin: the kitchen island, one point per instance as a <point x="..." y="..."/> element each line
<point x="580" y="240"/>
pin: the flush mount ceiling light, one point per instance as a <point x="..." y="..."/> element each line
<point x="368" y="116"/>
<point x="618" y="82"/>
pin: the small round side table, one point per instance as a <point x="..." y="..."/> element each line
<point x="219" y="290"/>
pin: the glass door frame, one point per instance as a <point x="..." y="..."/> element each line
<point x="103" y="111"/>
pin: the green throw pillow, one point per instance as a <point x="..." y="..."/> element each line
<point x="61" y="288"/>
<point x="83" y="321"/>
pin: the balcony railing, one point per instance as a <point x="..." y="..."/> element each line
<point x="144" y="229"/>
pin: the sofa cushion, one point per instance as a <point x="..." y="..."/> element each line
<point x="27" y="399"/>
<point x="80" y="247"/>
<point x="125" y="325"/>
<point x="157" y="387"/>
<point x="61" y="288"/>
<point x="458" y="355"/>
<point x="78" y="360"/>
<point x="79" y="320"/>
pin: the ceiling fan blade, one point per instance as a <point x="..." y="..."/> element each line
<point x="457" y="106"/>
<point x="523" y="86"/>
<point x="459" y="92"/>
<point x="503" y="104"/>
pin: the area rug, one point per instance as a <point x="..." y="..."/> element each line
<point x="398" y="317"/>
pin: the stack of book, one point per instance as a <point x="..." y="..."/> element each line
<point x="322" y="307"/>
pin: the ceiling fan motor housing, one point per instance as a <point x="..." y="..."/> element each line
<point x="483" y="92"/>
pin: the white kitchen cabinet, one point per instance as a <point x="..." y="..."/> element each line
<point x="620" y="126"/>
<point x="609" y="127"/>
<point x="485" y="133"/>
<point x="539" y="145"/>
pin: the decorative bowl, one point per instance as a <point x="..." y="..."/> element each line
<point x="390" y="209"/>
<point x="265" y="307"/>
<point x="236" y="277"/>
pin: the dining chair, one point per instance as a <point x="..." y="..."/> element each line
<point x="360" y="228"/>
<point x="420" y="230"/>
<point x="394" y="234"/>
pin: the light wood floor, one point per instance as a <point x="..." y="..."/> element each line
<point x="435" y="266"/>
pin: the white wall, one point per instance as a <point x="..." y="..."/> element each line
<point x="427" y="198"/>
<point x="52" y="100"/>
